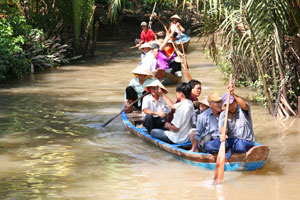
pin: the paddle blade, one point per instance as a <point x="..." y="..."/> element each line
<point x="220" y="165"/>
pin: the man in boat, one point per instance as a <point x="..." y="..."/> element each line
<point x="154" y="108"/>
<point x="136" y="86"/>
<point x="207" y="129"/>
<point x="147" y="35"/>
<point x="239" y="124"/>
<point x="178" y="130"/>
<point x="195" y="93"/>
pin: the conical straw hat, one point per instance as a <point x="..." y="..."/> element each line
<point x="175" y="17"/>
<point x="141" y="70"/>
<point x="154" y="84"/>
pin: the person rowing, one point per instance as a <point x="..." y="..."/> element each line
<point x="239" y="124"/>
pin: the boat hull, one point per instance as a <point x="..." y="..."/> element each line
<point x="254" y="159"/>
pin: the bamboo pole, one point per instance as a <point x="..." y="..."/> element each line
<point x="298" y="106"/>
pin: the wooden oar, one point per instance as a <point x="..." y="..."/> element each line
<point x="106" y="123"/>
<point x="188" y="75"/>
<point x="220" y="163"/>
<point x="150" y="20"/>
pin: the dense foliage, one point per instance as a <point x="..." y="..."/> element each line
<point x="261" y="39"/>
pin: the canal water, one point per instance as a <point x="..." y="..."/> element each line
<point x="52" y="145"/>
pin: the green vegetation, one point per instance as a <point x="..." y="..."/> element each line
<point x="262" y="39"/>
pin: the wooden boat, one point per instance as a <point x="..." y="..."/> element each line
<point x="168" y="78"/>
<point x="185" y="41"/>
<point x="254" y="159"/>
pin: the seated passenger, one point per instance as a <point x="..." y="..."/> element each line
<point x="200" y="107"/>
<point x="239" y="124"/>
<point x="154" y="108"/>
<point x="135" y="88"/>
<point x="145" y="48"/>
<point x="178" y="130"/>
<point x="167" y="58"/>
<point x="207" y="129"/>
<point x="150" y="60"/>
<point x="147" y="35"/>
<point x="196" y="91"/>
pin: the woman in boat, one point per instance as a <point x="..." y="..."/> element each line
<point x="154" y="108"/>
<point x="178" y="130"/>
<point x="175" y="25"/>
<point x="167" y="59"/>
<point x="136" y="86"/>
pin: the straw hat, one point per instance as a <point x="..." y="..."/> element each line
<point x="154" y="84"/>
<point x="215" y="96"/>
<point x="175" y="17"/>
<point x="141" y="70"/>
<point x="204" y="101"/>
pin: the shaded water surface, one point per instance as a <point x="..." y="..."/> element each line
<point x="52" y="146"/>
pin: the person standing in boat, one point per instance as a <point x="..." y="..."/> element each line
<point x="176" y="27"/>
<point x="207" y="129"/>
<point x="147" y="35"/>
<point x="239" y="124"/>
<point x="136" y="86"/>
<point x="178" y="130"/>
<point x="154" y="108"/>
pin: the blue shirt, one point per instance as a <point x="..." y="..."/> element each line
<point x="240" y="126"/>
<point x="207" y="123"/>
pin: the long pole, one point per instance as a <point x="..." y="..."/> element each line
<point x="106" y="123"/>
<point x="220" y="163"/>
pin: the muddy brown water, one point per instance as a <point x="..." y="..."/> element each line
<point x="52" y="146"/>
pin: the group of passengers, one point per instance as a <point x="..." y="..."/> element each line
<point x="188" y="120"/>
<point x="160" y="57"/>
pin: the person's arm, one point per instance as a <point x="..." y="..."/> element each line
<point x="240" y="101"/>
<point x="151" y="112"/>
<point x="168" y="101"/>
<point x="162" y="46"/>
<point x="171" y="127"/>
<point x="181" y="28"/>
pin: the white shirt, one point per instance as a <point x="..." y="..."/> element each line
<point x="174" y="28"/>
<point x="157" y="106"/>
<point x="182" y="120"/>
<point x="149" y="61"/>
